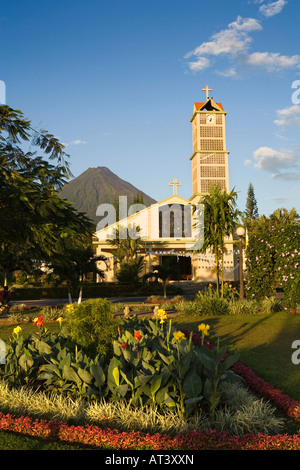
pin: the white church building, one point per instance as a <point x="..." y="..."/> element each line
<point x="170" y="228"/>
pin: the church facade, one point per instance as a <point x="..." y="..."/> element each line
<point x="171" y="228"/>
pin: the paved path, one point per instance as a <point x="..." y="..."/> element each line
<point x="188" y="290"/>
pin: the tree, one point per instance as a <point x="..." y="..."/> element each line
<point x="35" y="221"/>
<point x="126" y="249"/>
<point x="220" y="216"/>
<point x="129" y="272"/>
<point x="251" y="211"/>
<point x="279" y="218"/>
<point x="165" y="271"/>
<point x="75" y="266"/>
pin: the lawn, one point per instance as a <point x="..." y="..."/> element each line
<point x="263" y="341"/>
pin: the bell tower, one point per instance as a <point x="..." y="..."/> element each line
<point x="210" y="157"/>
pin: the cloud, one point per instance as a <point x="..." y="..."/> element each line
<point x="75" y="142"/>
<point x="283" y="164"/>
<point x="247" y="162"/>
<point x="288" y="116"/>
<point x="279" y="198"/>
<point x="272" y="61"/>
<point x="273" y="8"/>
<point x="234" y="43"/>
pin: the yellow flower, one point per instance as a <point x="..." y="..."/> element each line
<point x="69" y="307"/>
<point x="204" y="329"/>
<point x="230" y="286"/>
<point x="17" y="330"/>
<point x="60" y="319"/>
<point x="179" y="335"/>
<point x="162" y="315"/>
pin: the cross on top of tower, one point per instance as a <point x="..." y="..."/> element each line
<point x="174" y="183"/>
<point x="207" y="90"/>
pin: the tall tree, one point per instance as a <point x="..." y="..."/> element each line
<point x="220" y="216"/>
<point x="35" y="221"/>
<point x="251" y="211"/>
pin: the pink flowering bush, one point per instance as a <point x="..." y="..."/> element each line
<point x="273" y="260"/>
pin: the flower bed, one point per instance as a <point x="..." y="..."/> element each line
<point x="112" y="439"/>
<point x="95" y="436"/>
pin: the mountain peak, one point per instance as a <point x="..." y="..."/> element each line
<point x="97" y="186"/>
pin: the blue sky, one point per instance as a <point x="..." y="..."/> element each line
<point x="116" y="82"/>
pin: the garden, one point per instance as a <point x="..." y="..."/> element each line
<point x="84" y="375"/>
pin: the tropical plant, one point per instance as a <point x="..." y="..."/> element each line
<point x="130" y="271"/>
<point x="220" y="216"/>
<point x="164" y="271"/>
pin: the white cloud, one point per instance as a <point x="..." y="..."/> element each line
<point x="283" y="164"/>
<point x="272" y="61"/>
<point x="75" y="142"/>
<point x="279" y="198"/>
<point x="288" y="116"/>
<point x="247" y="162"/>
<point x="234" y="43"/>
<point x="200" y="64"/>
<point x="272" y="8"/>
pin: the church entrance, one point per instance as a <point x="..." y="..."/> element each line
<point x="185" y="266"/>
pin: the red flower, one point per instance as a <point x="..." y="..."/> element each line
<point x="138" y="335"/>
<point x="124" y="345"/>
<point x="39" y="321"/>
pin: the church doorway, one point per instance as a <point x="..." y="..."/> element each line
<point x="185" y="266"/>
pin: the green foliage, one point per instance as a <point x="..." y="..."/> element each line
<point x="165" y="370"/>
<point x="130" y="271"/>
<point x="152" y="364"/>
<point x="164" y="271"/>
<point x="251" y="211"/>
<point x="210" y="303"/>
<point x="91" y="325"/>
<point x="273" y="261"/>
<point x="220" y="216"/>
<point x="34" y="219"/>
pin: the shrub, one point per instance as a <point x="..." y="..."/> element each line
<point x="188" y="307"/>
<point x="52" y="313"/>
<point x="91" y="325"/>
<point x="270" y="305"/>
<point x="240" y="307"/>
<point x="210" y="303"/>
<point x="273" y="261"/>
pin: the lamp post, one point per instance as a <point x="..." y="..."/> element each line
<point x="241" y="232"/>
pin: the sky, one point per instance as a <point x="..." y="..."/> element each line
<point x="116" y="83"/>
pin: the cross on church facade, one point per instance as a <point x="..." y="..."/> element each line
<point x="207" y="90"/>
<point x="174" y="183"/>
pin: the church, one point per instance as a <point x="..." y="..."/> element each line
<point x="171" y="228"/>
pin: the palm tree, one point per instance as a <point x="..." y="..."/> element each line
<point x="165" y="271"/>
<point x="220" y="216"/>
<point x="73" y="269"/>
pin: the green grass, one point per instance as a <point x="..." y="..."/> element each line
<point x="6" y="331"/>
<point x="263" y="342"/>
<point x="11" y="441"/>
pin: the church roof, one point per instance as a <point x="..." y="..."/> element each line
<point x="210" y="104"/>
